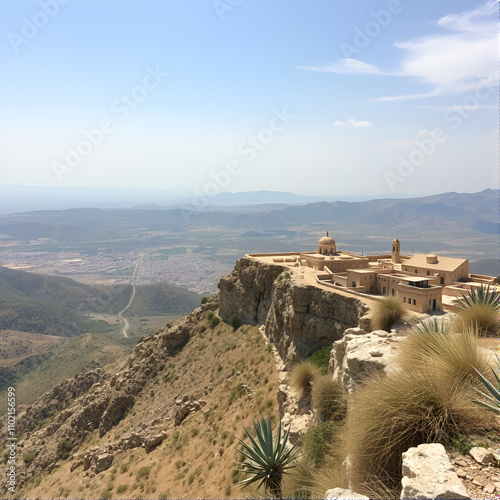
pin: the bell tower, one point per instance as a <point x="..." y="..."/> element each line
<point x="396" y="246"/>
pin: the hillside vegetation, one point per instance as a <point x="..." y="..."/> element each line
<point x="199" y="394"/>
<point x="46" y="318"/>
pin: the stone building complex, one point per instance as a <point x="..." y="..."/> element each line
<point x="425" y="283"/>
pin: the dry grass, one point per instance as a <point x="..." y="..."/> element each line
<point x="389" y="415"/>
<point x="479" y="316"/>
<point x="328" y="399"/>
<point x="386" y="312"/>
<point x="332" y="474"/>
<point x="451" y="356"/>
<point x="302" y="377"/>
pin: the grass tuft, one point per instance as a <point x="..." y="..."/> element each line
<point x="328" y="399"/>
<point x="302" y="376"/>
<point x="386" y="312"/>
<point x="389" y="415"/>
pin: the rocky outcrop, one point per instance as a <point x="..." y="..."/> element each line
<point x="359" y="354"/>
<point x="247" y="291"/>
<point x="428" y="473"/>
<point x="299" y="318"/>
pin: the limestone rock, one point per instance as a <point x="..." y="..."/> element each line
<point x="481" y="455"/>
<point x="299" y="318"/>
<point x="152" y="442"/>
<point x="114" y="412"/>
<point x="428" y="473"/>
<point x="342" y="493"/>
<point x="359" y="354"/>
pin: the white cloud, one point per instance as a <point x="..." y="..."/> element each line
<point x="462" y="59"/>
<point x="352" y="122"/>
<point x="347" y="66"/>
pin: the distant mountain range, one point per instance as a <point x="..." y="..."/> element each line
<point x="471" y="211"/>
<point x="24" y="198"/>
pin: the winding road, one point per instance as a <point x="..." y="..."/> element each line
<point x="134" y="281"/>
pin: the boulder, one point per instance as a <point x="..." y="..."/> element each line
<point x="359" y="354"/>
<point x="428" y="474"/>
<point x="152" y="442"/>
<point x="481" y="455"/>
<point x="342" y="493"/>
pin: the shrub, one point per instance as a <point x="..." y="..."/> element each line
<point x="302" y="376"/>
<point x="202" y="329"/>
<point x="204" y="300"/>
<point x="321" y="358"/>
<point x="328" y="399"/>
<point x="121" y="489"/>
<point x="317" y="440"/>
<point x="386" y="312"/>
<point x="479" y="309"/>
<point x="29" y="457"/>
<point x="234" y="321"/>
<point x="64" y="448"/>
<point x="214" y="322"/>
<point x="388" y="415"/>
<point x="210" y="315"/>
<point x="143" y="472"/>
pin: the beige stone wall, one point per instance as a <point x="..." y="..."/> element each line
<point x="420" y="299"/>
<point x="443" y="277"/>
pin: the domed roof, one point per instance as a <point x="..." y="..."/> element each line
<point x="326" y="240"/>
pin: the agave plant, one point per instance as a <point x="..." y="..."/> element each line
<point x="433" y="325"/>
<point x="480" y="295"/>
<point x="269" y="458"/>
<point x="479" y="309"/>
<point x="492" y="402"/>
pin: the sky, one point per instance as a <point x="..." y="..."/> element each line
<point x="315" y="97"/>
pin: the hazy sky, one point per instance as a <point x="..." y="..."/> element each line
<point x="310" y="96"/>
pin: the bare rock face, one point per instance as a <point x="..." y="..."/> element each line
<point x="428" y="473"/>
<point x="340" y="493"/>
<point x="114" y="411"/>
<point x="247" y="290"/>
<point x="298" y="318"/>
<point x="359" y="354"/>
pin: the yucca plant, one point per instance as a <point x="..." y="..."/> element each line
<point x="491" y="403"/>
<point x="269" y="458"/>
<point x="480" y="309"/>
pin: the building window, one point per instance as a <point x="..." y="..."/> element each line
<point x="383" y="291"/>
<point x="414" y="302"/>
<point x="416" y="271"/>
<point x="430" y="302"/>
<point x="442" y="280"/>
<point x="393" y="291"/>
<point x="428" y="273"/>
<point x="404" y="299"/>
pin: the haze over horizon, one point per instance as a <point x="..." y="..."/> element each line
<point x="327" y="99"/>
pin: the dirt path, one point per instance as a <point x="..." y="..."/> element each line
<point x="134" y="281"/>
